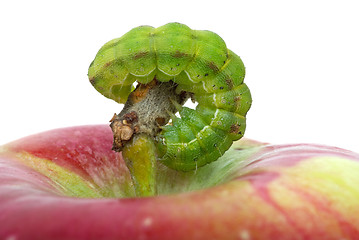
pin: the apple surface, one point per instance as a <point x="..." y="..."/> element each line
<point x="69" y="184"/>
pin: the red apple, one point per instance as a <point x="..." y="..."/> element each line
<point x="69" y="184"/>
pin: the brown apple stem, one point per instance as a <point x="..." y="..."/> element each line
<point x="148" y="107"/>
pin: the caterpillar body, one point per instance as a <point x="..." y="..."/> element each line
<point x="198" y="62"/>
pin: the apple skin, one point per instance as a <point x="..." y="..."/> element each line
<point x="68" y="183"/>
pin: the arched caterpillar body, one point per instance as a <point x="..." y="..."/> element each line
<point x="200" y="63"/>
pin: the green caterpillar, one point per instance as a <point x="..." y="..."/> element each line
<point x="199" y="63"/>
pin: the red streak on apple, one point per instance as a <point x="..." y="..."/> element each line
<point x="73" y="148"/>
<point x="270" y="192"/>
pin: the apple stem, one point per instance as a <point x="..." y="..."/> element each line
<point x="140" y="157"/>
<point x="147" y="109"/>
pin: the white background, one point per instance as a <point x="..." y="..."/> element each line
<point x="301" y="59"/>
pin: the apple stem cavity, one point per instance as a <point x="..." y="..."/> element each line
<point x="148" y="108"/>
